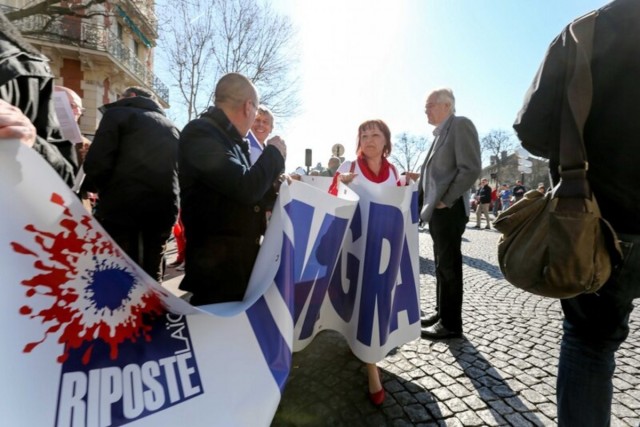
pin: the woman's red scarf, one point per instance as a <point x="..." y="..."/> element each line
<point x="385" y="169"/>
<point x="370" y="175"/>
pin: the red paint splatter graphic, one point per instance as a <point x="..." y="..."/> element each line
<point x="91" y="290"/>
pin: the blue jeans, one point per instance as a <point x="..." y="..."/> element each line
<point x="595" y="326"/>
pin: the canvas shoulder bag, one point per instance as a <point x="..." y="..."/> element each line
<point x="557" y="244"/>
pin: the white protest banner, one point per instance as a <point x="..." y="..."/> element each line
<point x="360" y="278"/>
<point x="94" y="341"/>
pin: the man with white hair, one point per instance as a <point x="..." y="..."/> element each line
<point x="450" y="169"/>
<point x="261" y="128"/>
<point x="74" y="153"/>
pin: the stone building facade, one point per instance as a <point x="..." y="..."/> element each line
<point x="504" y="170"/>
<point x="98" y="56"/>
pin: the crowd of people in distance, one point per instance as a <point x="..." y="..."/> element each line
<point x="487" y="199"/>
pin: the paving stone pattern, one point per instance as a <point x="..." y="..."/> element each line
<point x="501" y="373"/>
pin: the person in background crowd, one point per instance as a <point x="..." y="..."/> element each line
<point x="483" y="197"/>
<point x="222" y="193"/>
<point x="505" y="197"/>
<point x="68" y="148"/>
<point x="596" y="324"/>
<point x="374" y="146"/>
<point x="181" y="244"/>
<point x="261" y="129"/>
<point x="26" y="83"/>
<point x="496" y="200"/>
<point x="76" y="152"/>
<point x="450" y="169"/>
<point x="541" y="188"/>
<point x="519" y="190"/>
<point x="332" y="166"/>
<point x="132" y="162"/>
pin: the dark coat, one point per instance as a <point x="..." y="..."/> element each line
<point x="612" y="129"/>
<point x="133" y="164"/>
<point x="222" y="206"/>
<point x="26" y="82"/>
<point x="484" y="194"/>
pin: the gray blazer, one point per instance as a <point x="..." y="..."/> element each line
<point x="452" y="167"/>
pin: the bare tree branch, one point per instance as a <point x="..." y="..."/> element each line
<point x="240" y="36"/>
<point x="50" y="9"/>
<point x="408" y="152"/>
<point x="497" y="143"/>
<point x="187" y="44"/>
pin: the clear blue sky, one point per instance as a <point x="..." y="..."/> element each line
<point x="363" y="59"/>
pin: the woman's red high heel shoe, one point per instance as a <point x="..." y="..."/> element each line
<point x="378" y="397"/>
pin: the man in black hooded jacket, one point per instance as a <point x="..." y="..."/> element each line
<point x="26" y="82"/>
<point x="132" y="163"/>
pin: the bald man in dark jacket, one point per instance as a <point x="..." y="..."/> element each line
<point x="223" y="193"/>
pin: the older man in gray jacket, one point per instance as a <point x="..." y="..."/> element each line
<point x="450" y="169"/>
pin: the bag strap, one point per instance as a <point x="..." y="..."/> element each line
<point x="576" y="107"/>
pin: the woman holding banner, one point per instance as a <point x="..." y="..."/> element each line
<point x="371" y="164"/>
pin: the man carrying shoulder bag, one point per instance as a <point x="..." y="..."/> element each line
<point x="596" y="324"/>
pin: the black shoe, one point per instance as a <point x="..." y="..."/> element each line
<point x="487" y="227"/>
<point x="427" y="321"/>
<point x="477" y="226"/>
<point x="439" y="332"/>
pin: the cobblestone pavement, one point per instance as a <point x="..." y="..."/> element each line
<point x="501" y="373"/>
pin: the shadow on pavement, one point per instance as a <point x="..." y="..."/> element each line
<point x="480" y="264"/>
<point x="500" y="399"/>
<point x="328" y="387"/>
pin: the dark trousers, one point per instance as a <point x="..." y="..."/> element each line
<point x="595" y="325"/>
<point x="145" y="247"/>
<point x="446" y="227"/>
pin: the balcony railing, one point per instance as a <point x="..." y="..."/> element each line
<point x="143" y="11"/>
<point x="94" y="37"/>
